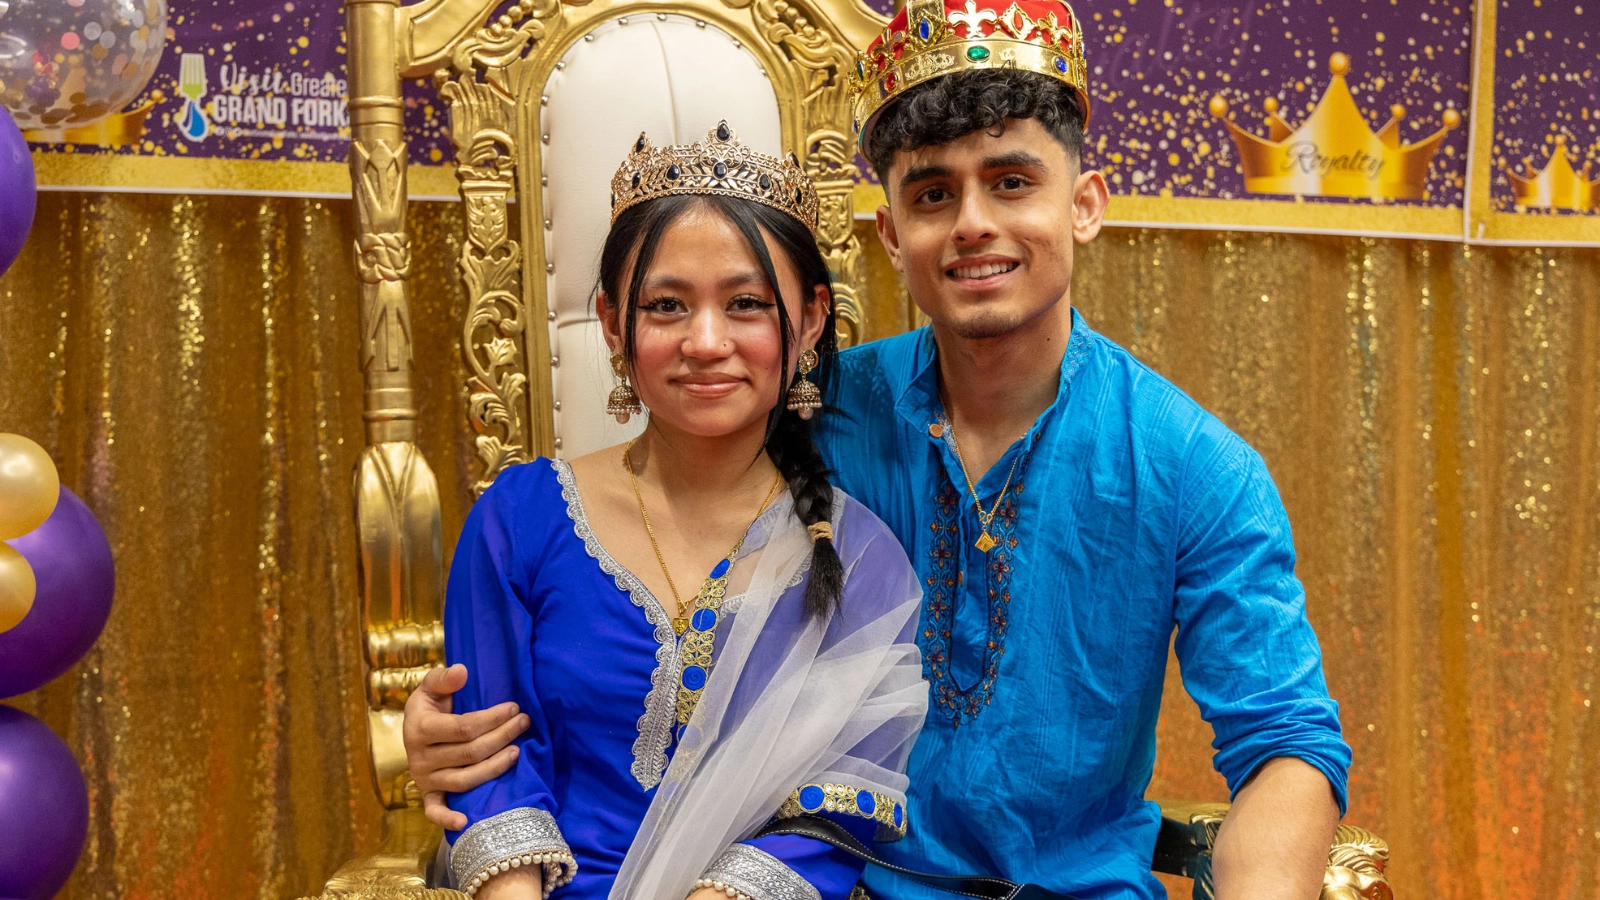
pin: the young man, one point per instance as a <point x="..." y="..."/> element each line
<point x="1066" y="507"/>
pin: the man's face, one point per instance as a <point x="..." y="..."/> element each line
<point x="982" y="228"/>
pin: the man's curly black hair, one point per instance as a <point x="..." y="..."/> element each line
<point x="956" y="105"/>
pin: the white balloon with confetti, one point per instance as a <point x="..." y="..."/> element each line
<point x="70" y="63"/>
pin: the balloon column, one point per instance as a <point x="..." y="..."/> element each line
<point x="56" y="584"/>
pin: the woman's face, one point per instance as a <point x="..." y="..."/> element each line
<point x="708" y="346"/>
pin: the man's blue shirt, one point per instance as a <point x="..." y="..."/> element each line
<point x="1132" y="512"/>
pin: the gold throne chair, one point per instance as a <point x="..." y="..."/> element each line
<point x="544" y="99"/>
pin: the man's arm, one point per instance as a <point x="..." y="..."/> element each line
<point x="1274" y="842"/>
<point x="451" y="753"/>
<point x="1251" y="662"/>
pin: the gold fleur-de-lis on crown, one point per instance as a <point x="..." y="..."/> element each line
<point x="973" y="18"/>
<point x="1053" y="30"/>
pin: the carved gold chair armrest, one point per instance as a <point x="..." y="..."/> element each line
<point x="399" y="868"/>
<point x="1356" y="862"/>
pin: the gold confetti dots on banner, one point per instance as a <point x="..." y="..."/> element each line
<point x="1156" y="67"/>
<point x="1547" y="109"/>
<point x="254" y="80"/>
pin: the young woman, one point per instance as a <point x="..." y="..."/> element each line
<point x="703" y="632"/>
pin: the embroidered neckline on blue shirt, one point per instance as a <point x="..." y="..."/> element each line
<point x="916" y="402"/>
<point x="939" y="610"/>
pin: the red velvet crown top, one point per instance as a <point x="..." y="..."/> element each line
<point x="930" y="38"/>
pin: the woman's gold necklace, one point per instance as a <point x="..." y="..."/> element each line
<point x="680" y="622"/>
<point x="985" y="542"/>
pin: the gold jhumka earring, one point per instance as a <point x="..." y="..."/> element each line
<point x="623" y="402"/>
<point x="804" y="398"/>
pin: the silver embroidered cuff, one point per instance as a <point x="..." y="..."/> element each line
<point x="515" y="838"/>
<point x="754" y="874"/>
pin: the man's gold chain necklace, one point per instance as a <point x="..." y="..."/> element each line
<point x="680" y="622"/>
<point x="985" y="542"/>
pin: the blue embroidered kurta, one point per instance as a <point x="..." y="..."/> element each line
<point x="1133" y="512"/>
<point x="542" y="615"/>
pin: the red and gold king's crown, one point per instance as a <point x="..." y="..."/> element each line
<point x="1334" y="153"/>
<point x="930" y="38"/>
<point x="1558" y="185"/>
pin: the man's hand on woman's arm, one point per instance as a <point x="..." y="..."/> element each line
<point x="1274" y="842"/>
<point x="451" y="753"/>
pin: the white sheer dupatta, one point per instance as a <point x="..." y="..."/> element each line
<point x="790" y="701"/>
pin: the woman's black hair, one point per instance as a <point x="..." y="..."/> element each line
<point x="636" y="235"/>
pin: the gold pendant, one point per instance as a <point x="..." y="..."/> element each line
<point x="680" y="625"/>
<point x="985" y="543"/>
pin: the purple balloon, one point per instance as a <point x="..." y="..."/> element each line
<point x="71" y="561"/>
<point x="44" y="808"/>
<point x="17" y="191"/>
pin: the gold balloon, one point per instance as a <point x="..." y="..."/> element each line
<point x="17" y="587"/>
<point x="29" y="486"/>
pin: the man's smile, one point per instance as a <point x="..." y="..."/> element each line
<point x="982" y="272"/>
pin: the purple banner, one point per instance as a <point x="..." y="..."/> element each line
<point x="1355" y="103"/>
<point x="1156" y="69"/>
<point x="254" y="80"/>
<point x="1547" y="105"/>
<point x="1161" y="72"/>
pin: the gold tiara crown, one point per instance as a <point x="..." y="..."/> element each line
<point x="717" y="165"/>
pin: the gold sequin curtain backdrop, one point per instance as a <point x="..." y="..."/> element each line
<point x="192" y="366"/>
<point x="1428" y="411"/>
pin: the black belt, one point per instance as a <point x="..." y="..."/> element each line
<point x="981" y="887"/>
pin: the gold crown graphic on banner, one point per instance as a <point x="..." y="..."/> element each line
<point x="1334" y="153"/>
<point x="717" y="165"/>
<point x="931" y="38"/>
<point x="1557" y="185"/>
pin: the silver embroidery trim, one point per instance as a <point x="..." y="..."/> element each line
<point x="759" y="875"/>
<point x="498" y="838"/>
<point x="655" y="726"/>
<point x="660" y="712"/>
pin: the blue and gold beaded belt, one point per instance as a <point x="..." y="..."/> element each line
<point x="846" y="800"/>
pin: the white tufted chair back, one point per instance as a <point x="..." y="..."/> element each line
<point x="545" y="102"/>
<point x="672" y="77"/>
